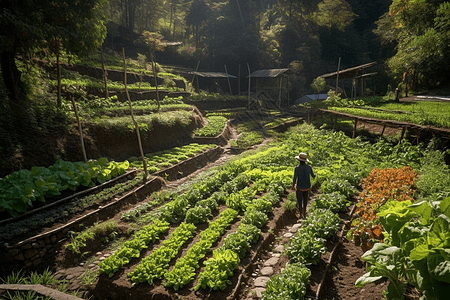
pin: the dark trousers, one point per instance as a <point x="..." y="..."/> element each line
<point x="302" y="200"/>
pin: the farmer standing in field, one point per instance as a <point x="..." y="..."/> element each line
<point x="302" y="183"/>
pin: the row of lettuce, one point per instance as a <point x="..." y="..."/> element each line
<point x="338" y="161"/>
<point x="20" y="189"/>
<point x="230" y="186"/>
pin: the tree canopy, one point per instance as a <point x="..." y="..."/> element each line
<point x="33" y="28"/>
<point x="420" y="31"/>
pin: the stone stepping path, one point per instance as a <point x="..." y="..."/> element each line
<point x="260" y="277"/>
<point x="74" y="275"/>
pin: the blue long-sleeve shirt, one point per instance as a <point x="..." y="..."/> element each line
<point x="301" y="176"/>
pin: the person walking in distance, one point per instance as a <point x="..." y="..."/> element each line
<point x="302" y="183"/>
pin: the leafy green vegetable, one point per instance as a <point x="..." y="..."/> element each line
<point x="305" y="247"/>
<point x="213" y="128"/>
<point x="324" y="223"/>
<point x="290" y="285"/>
<point x="184" y="270"/>
<point x="156" y="264"/>
<point x="217" y="270"/>
<point x="148" y="234"/>
<point x="21" y="188"/>
<point x="198" y="214"/>
<point x="334" y="201"/>
<point x="384" y="261"/>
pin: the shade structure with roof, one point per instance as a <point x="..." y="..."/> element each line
<point x="271" y="85"/>
<point x="311" y="98"/>
<point x="357" y="74"/>
<point x="209" y="80"/>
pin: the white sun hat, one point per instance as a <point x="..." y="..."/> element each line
<point x="302" y="157"/>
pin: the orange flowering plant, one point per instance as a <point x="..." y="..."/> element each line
<point x="380" y="185"/>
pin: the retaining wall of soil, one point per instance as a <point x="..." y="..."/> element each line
<point x="120" y="146"/>
<point x="33" y="251"/>
<point x="146" y="95"/>
<point x="217" y="104"/>
<point x="116" y="75"/>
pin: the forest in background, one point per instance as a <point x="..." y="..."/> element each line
<point x="409" y="37"/>
<point x="306" y="36"/>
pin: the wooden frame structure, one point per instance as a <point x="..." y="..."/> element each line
<point x="271" y="85"/>
<point x="357" y="74"/>
<point x="209" y="75"/>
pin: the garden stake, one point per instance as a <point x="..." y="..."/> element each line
<point x="132" y="115"/>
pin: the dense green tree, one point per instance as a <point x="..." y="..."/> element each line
<point x="31" y="29"/>
<point x="420" y="32"/>
<point x="334" y="13"/>
<point x="233" y="35"/>
<point x="196" y="17"/>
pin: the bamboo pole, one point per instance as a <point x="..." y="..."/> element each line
<point x="79" y="128"/>
<point x="193" y="77"/>
<point x="58" y="76"/>
<point x="132" y="116"/>
<point x="105" y="74"/>
<point x="337" y="75"/>
<point x="155" y="76"/>
<point x="280" y="92"/>
<point x="403" y="134"/>
<point x="239" y="80"/>
<point x="384" y="128"/>
<point x="240" y="13"/>
<point x="248" y="97"/>
<point x="228" y="78"/>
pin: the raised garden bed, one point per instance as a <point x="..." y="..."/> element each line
<point x="28" y="248"/>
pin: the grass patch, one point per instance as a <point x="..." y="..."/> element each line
<point x="422" y="113"/>
<point x="123" y="125"/>
<point x="78" y="241"/>
<point x="46" y="278"/>
<point x="249" y="135"/>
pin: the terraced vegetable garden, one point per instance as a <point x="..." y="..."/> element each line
<point x="205" y="238"/>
